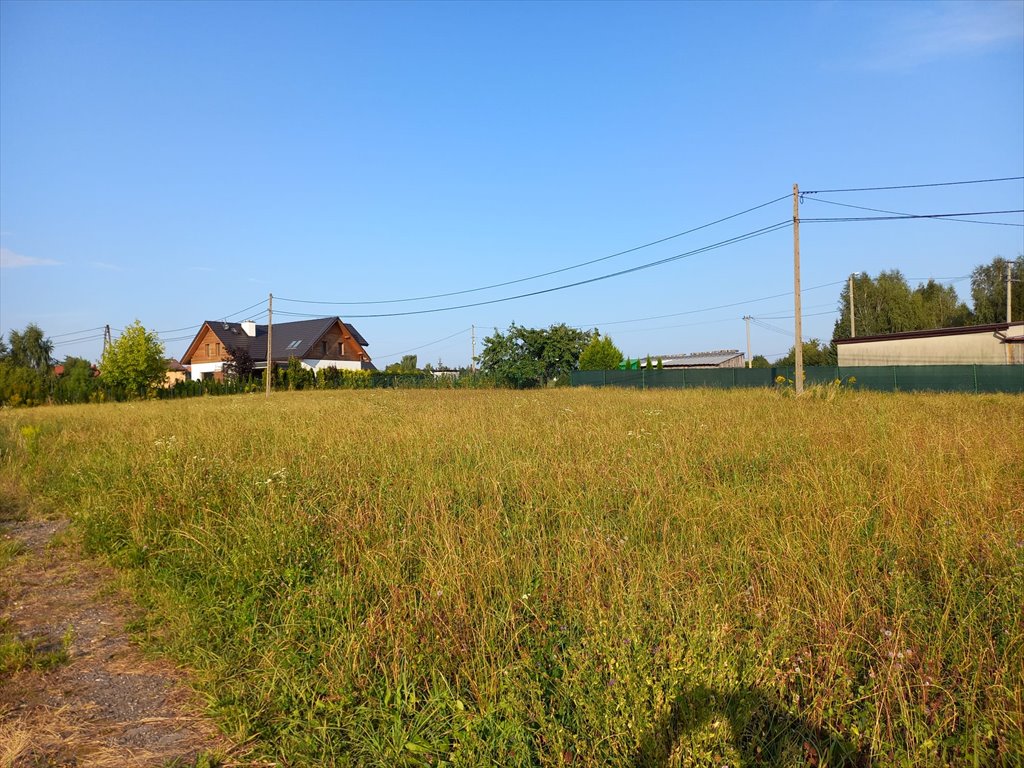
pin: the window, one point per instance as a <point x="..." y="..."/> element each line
<point x="341" y="348"/>
<point x="323" y="349"/>
<point x="207" y="349"/>
<point x="294" y="344"/>
<point x="218" y="349"/>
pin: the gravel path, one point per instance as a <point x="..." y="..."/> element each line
<point x="106" y="704"/>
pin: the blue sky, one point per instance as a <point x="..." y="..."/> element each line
<point x="178" y="162"/>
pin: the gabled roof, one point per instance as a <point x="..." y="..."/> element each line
<point x="290" y="339"/>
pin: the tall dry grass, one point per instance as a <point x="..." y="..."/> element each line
<point x="568" y="577"/>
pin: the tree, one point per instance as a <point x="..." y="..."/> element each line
<point x="815" y="353"/>
<point x="938" y="306"/>
<point x="529" y="357"/>
<point x="988" y="291"/>
<point x="600" y="355"/>
<point x="760" y="361"/>
<point x="77" y="383"/>
<point x="4" y="349"/>
<point x="31" y="349"/>
<point x="239" y="366"/>
<point x="134" y="362"/>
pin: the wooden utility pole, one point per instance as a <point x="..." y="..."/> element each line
<point x="798" y="349"/>
<point x="472" y="359"/>
<point x="1009" y="292"/>
<point x="747" y="318"/>
<point x="270" y="340"/>
<point x="853" y="324"/>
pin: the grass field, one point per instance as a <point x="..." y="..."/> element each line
<point x="566" y="577"/>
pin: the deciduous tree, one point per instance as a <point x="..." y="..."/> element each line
<point x="528" y="357"/>
<point x="134" y="362"/>
<point x="31" y="349"/>
<point x="600" y="354"/>
<point x="988" y="291"/>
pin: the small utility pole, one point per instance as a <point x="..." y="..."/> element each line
<point x="853" y="324"/>
<point x="798" y="349"/>
<point x="472" y="359"/>
<point x="106" y="337"/>
<point x="1009" y="292"/>
<point x="270" y="339"/>
<point x="747" y="318"/>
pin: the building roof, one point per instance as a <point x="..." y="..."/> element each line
<point x="697" y="358"/>
<point x="290" y="339"/>
<point x="965" y="329"/>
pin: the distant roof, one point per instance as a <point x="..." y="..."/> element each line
<point x="697" y="358"/>
<point x="290" y="339"/>
<point x="989" y="328"/>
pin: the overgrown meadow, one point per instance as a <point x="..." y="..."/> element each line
<point x="566" y="577"/>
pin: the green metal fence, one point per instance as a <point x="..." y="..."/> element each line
<point x="896" y="378"/>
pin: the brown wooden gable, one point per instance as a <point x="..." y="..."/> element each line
<point x="337" y="332"/>
<point x="196" y="352"/>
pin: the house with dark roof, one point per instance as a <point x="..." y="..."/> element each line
<point x="325" y="342"/>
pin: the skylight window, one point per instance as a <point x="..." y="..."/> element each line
<point x="294" y="344"/>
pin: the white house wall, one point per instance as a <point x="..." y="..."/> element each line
<point x="198" y="369"/>
<point x="345" y="365"/>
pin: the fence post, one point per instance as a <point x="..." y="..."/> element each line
<point x="975" y="367"/>
<point x="895" y="384"/>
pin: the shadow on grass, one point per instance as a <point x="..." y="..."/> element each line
<point x="764" y="733"/>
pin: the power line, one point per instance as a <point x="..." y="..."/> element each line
<point x="790" y="317"/>
<point x="542" y="274"/>
<point x="648" y="265"/>
<point x="710" y="309"/>
<point x="69" y="342"/>
<point x="915" y="186"/>
<point x="423" y="346"/>
<point x="899" y="213"/>
<point x="75" y="333"/>
<point x="907" y="216"/>
<point x="225" y="317"/>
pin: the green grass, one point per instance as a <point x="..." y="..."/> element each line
<point x="37" y="653"/>
<point x="568" y="577"/>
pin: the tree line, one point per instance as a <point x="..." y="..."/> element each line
<point x="887" y="304"/>
<point x="520" y="357"/>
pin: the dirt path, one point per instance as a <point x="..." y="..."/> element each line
<point x="84" y="695"/>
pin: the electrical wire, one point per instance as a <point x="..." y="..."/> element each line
<point x="710" y="309"/>
<point x="76" y="333"/>
<point x="638" y="268"/>
<point x="69" y="342"/>
<point x="422" y="346"/>
<point x="200" y="325"/>
<point x="542" y="274"/>
<point x="899" y="213"/>
<point x="829" y="220"/>
<point x="915" y="186"/>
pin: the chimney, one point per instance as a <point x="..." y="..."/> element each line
<point x="249" y="327"/>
